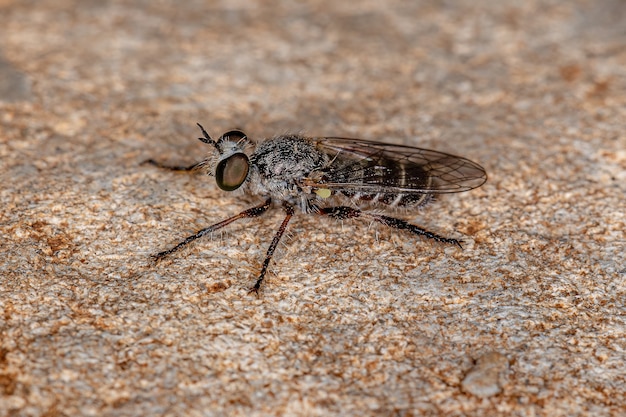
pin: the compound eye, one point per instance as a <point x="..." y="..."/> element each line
<point x="233" y="136"/>
<point x="232" y="172"/>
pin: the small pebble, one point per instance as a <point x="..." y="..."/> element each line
<point x="484" y="379"/>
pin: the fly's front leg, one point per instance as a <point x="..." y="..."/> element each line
<point x="270" y="251"/>
<point x="173" y="167"/>
<point x="249" y="213"/>
<point x="344" y="212"/>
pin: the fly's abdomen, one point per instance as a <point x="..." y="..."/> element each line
<point x="399" y="200"/>
<point x="375" y="184"/>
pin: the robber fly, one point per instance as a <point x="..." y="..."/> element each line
<point x="334" y="177"/>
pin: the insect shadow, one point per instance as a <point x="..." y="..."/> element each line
<point x="335" y="177"/>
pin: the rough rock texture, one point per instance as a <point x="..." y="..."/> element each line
<point x="353" y="319"/>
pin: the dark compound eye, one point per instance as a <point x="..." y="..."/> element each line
<point x="232" y="172"/>
<point x="232" y="135"/>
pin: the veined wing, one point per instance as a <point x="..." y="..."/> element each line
<point x="364" y="166"/>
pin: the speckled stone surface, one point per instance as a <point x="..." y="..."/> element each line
<point x="355" y="319"/>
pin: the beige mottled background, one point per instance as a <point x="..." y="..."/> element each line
<point x="528" y="319"/>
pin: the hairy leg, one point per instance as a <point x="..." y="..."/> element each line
<point x="249" y="213"/>
<point x="172" y="167"/>
<point x="344" y="212"/>
<point x="270" y="251"/>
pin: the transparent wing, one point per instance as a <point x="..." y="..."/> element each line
<point x="365" y="166"/>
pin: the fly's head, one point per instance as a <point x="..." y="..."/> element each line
<point x="230" y="164"/>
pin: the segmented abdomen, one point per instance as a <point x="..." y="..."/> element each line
<point x="388" y="199"/>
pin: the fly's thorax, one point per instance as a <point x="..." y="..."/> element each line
<point x="279" y="164"/>
<point x="287" y="157"/>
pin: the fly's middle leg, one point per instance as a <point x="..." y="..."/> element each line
<point x="270" y="251"/>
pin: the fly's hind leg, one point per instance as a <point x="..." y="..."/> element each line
<point x="344" y="212"/>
